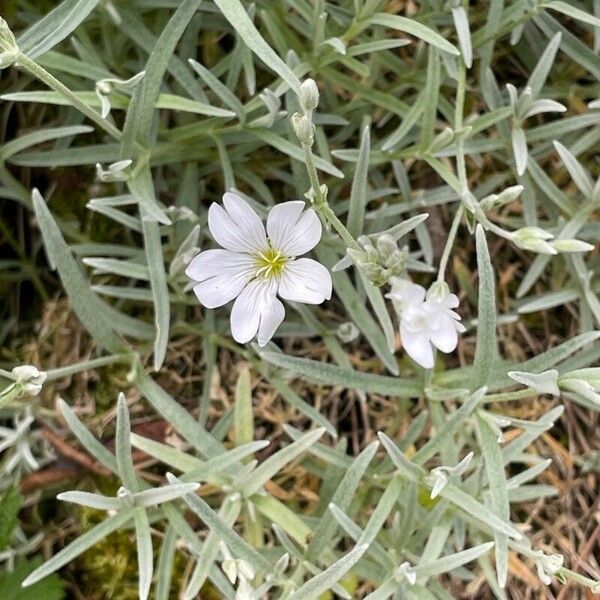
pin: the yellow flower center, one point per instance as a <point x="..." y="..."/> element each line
<point x="270" y="263"/>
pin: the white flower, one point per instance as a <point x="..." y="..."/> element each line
<point x="254" y="266"/>
<point x="426" y="319"/>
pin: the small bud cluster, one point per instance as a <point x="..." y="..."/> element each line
<point x="380" y="260"/>
<point x="9" y="50"/>
<point x="303" y="125"/>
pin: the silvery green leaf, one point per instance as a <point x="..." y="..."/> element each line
<point x="538" y="76"/>
<point x="543" y="106"/>
<point x="145" y="559"/>
<point x="55" y="26"/>
<point x="342" y="498"/>
<point x="414" y="28"/>
<point x="313" y="588"/>
<point x="254" y="480"/>
<point x="87" y="440"/>
<point x="236" y="544"/>
<point x="220" y="89"/>
<point x="123" y="446"/>
<point x="519" y="145"/>
<point x="86" y="304"/>
<point x="486" y="348"/>
<point x="543" y="383"/>
<point x="123" y="268"/>
<point x="461" y="24"/>
<point x="79" y="546"/>
<point x="405" y="466"/>
<point x="155" y="496"/>
<point x="579" y="175"/>
<point x="91" y="500"/>
<point x="572" y="11"/>
<point x="358" y="194"/>
<point x="244" y="419"/>
<point x="235" y="12"/>
<point x="337" y="44"/>
<point x="348" y="378"/>
<point x="166" y="561"/>
<point x="451" y="561"/>
<point x="228" y="512"/>
<point x="524" y="476"/>
<point x="498" y="490"/>
<point x="177" y="416"/>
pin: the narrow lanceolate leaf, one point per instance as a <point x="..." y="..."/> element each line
<point x="235" y="12"/>
<point x="358" y="195"/>
<point x="578" y="174"/>
<point x="85" y="303"/>
<point x="145" y="559"/>
<point x="244" y="419"/>
<point x="80" y="545"/>
<point x="342" y="499"/>
<point x="414" y="28"/>
<point x="498" y="490"/>
<point x="333" y="375"/>
<point x="143" y="188"/>
<point x="486" y="349"/>
<point x="542" y="68"/>
<point x="55" y="26"/>
<point x="461" y="24"/>
<point x="259" y="476"/>
<point x="452" y="561"/>
<point x="314" y="587"/>
<point x="519" y="145"/>
<point x="123" y="446"/>
<point x="224" y="532"/>
<point x="568" y="9"/>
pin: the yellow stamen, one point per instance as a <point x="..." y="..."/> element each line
<point x="270" y="263"/>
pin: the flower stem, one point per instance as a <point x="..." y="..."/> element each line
<point x="450" y="242"/>
<point x="320" y="202"/>
<point x="40" y="73"/>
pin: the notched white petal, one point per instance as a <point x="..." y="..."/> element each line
<point x="237" y="227"/>
<point x="305" y="280"/>
<point x="292" y="231"/>
<point x="221" y="276"/>
<point x="256" y="311"/>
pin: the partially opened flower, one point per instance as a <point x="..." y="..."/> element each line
<point x="427" y="319"/>
<point x="254" y="266"/>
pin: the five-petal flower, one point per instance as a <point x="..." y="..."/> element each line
<point x="254" y="266"/>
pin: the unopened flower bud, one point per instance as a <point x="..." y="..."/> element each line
<point x="9" y="51"/>
<point x="534" y="239"/>
<point x="304" y="128"/>
<point x="308" y="96"/>
<point x="386" y="245"/>
<point x="572" y="246"/>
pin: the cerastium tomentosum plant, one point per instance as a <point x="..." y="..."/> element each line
<point x="355" y="145"/>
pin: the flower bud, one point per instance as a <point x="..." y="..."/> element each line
<point x="572" y="246"/>
<point x="304" y="129"/>
<point x="534" y="239"/>
<point x="386" y="245"/>
<point x="29" y="379"/>
<point x="308" y="96"/>
<point x="9" y="51"/>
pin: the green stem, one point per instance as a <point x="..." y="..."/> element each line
<point x="450" y="242"/>
<point x="40" y="73"/>
<point x="321" y="205"/>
